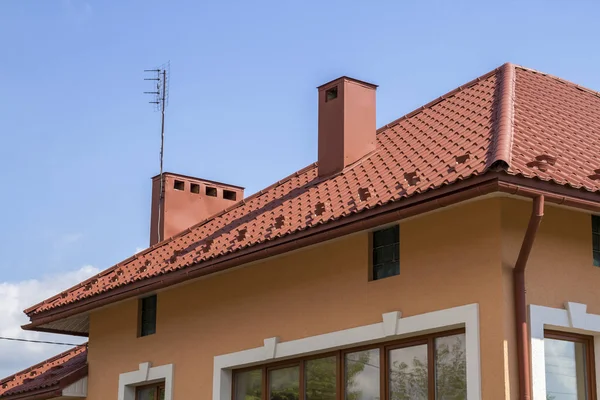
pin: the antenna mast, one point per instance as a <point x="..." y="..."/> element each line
<point x="160" y="101"/>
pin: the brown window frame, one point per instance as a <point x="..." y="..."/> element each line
<point x="590" y="361"/>
<point x="156" y="386"/>
<point x="340" y="355"/>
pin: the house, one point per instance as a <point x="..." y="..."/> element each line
<point x="450" y="254"/>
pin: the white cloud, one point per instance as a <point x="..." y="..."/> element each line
<point x="17" y="296"/>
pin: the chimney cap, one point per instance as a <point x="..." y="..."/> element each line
<point x="347" y="78"/>
<point x="199" y="179"/>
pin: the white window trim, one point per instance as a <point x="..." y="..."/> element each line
<point x="573" y="318"/>
<point x="146" y="375"/>
<point x="392" y="327"/>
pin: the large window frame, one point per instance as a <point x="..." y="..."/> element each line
<point x="588" y="342"/>
<point x="384" y="349"/>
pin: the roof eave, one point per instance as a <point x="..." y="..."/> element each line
<point x="452" y="194"/>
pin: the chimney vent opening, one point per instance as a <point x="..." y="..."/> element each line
<point x="179" y="185"/>
<point x="229" y="195"/>
<point x="331" y="94"/>
<point x="195" y="188"/>
<point x="211" y="191"/>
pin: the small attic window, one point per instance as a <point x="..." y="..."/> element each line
<point x="195" y="188"/>
<point x="179" y="185"/>
<point x="331" y="94"/>
<point x="211" y="191"/>
<point x="229" y="194"/>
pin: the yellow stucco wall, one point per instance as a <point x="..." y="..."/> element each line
<point x="449" y="258"/>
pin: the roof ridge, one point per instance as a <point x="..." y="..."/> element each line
<point x="503" y="127"/>
<point x="41" y="363"/>
<point x="561" y="80"/>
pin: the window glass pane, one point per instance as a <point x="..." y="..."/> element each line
<point x="321" y="379"/>
<point x="284" y="383"/>
<point x="248" y="385"/>
<point x="361" y="375"/>
<point x="385" y="270"/>
<point x="161" y="393"/>
<point x="408" y="377"/>
<point x="450" y="368"/>
<point x="565" y="370"/>
<point x="148" y="393"/>
<point x="386" y="252"/>
<point x="148" y="317"/>
<point x="596" y="223"/>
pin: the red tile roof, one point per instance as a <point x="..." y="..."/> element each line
<point x="513" y="119"/>
<point x="48" y="377"/>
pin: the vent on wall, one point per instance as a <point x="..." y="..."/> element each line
<point x="211" y="191"/>
<point x="179" y="185"/>
<point x="229" y="194"/>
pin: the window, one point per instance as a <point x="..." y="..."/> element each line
<point x="429" y="367"/>
<point x="195" y="188"/>
<point x="386" y="252"/>
<point x="152" y="392"/>
<point x="147" y="319"/>
<point x="596" y="239"/>
<point x="569" y="362"/>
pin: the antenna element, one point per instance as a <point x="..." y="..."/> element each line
<point x="160" y="100"/>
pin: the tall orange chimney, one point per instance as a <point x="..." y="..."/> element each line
<point x="187" y="201"/>
<point x="347" y="123"/>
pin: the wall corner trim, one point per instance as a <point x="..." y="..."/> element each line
<point x="146" y="374"/>
<point x="392" y="326"/>
<point x="573" y="317"/>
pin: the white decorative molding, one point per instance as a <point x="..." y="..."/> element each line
<point x="573" y="318"/>
<point x="390" y="322"/>
<point x="270" y="347"/>
<point x="145" y="375"/>
<point x="392" y="326"/>
<point x="76" y="389"/>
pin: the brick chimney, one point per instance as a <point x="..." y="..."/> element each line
<point x="186" y="202"/>
<point x="347" y="123"/>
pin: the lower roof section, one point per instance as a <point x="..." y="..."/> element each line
<point x="50" y="378"/>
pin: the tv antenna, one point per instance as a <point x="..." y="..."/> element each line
<point x="160" y="100"/>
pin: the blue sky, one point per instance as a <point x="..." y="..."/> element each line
<point x="80" y="142"/>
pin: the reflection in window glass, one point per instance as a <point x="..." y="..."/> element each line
<point x="161" y="393"/>
<point x="320" y="376"/>
<point x="248" y="385"/>
<point x="408" y="373"/>
<point x="361" y="375"/>
<point x="565" y="370"/>
<point x="450" y="368"/>
<point x="146" y="393"/>
<point x="284" y="383"/>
